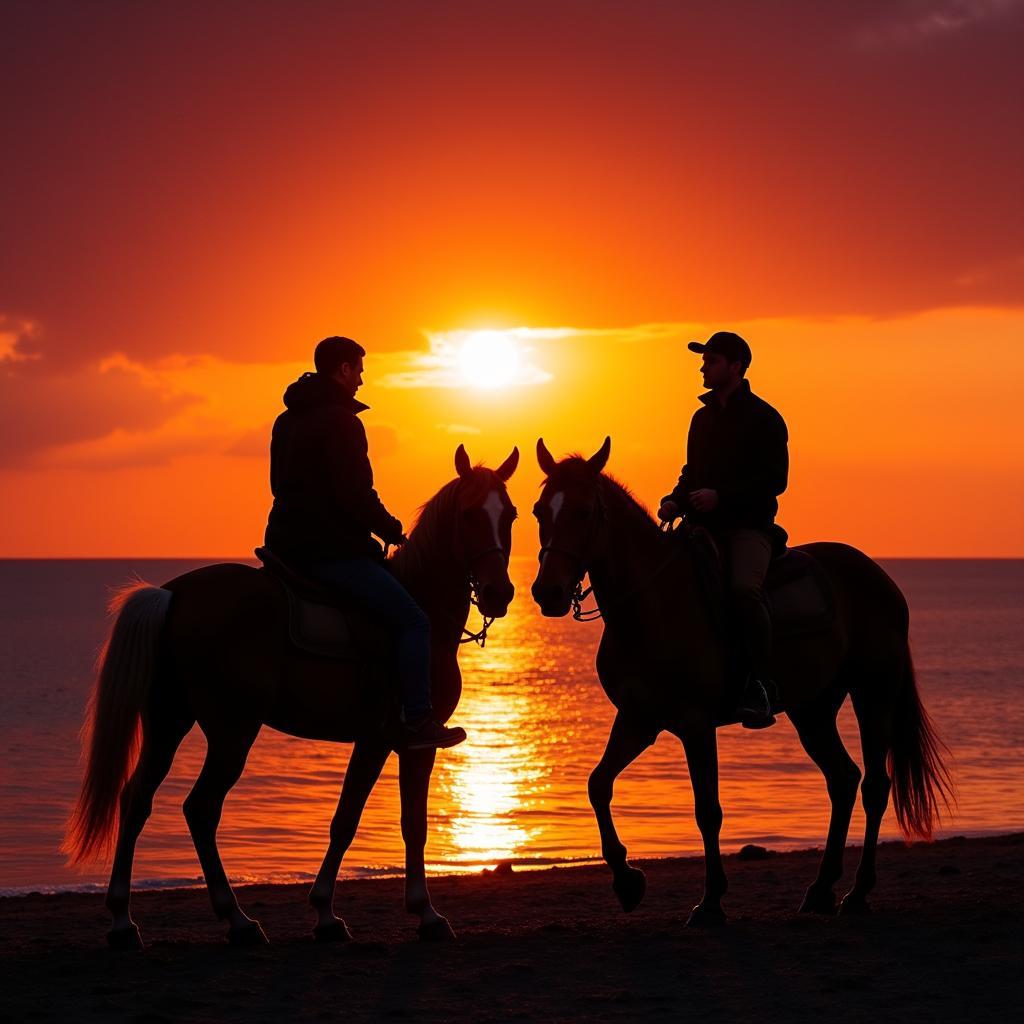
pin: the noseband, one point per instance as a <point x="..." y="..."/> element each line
<point x="579" y="595"/>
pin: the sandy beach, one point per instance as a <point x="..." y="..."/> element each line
<point x="943" y="943"/>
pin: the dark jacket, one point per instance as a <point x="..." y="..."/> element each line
<point x="325" y="506"/>
<point x="740" y="451"/>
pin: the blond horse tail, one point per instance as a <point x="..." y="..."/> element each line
<point x="111" y="732"/>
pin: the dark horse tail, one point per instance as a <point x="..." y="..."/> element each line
<point x="111" y="733"/>
<point x="920" y="778"/>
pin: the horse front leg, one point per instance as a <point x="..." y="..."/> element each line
<point x="364" y="768"/>
<point x="625" y="744"/>
<point x="414" y="768"/>
<point x="701" y="746"/>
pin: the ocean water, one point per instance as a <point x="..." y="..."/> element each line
<point x="537" y="721"/>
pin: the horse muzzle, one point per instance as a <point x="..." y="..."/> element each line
<point x="552" y="599"/>
<point x="493" y="599"/>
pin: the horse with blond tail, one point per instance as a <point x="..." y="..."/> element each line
<point x="664" y="665"/>
<point x="212" y="647"/>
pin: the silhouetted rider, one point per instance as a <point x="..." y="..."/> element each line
<point x="325" y="510"/>
<point x="737" y="463"/>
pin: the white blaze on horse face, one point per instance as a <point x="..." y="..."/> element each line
<point x="557" y="500"/>
<point x="494" y="506"/>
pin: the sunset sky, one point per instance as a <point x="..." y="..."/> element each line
<point x="523" y="211"/>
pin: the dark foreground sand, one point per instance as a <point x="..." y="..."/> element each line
<point x="943" y="944"/>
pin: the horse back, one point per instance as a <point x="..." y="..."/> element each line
<point x="227" y="645"/>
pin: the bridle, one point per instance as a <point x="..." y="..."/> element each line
<point x="468" y="636"/>
<point x="579" y="594"/>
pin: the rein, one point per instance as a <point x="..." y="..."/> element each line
<point x="468" y="636"/>
<point x="579" y="595"/>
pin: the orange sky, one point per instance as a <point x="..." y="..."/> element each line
<point x="192" y="198"/>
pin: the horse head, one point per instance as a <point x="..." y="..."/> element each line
<point x="483" y="530"/>
<point x="573" y="528"/>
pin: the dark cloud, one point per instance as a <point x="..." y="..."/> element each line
<point x="242" y="178"/>
<point x="42" y="411"/>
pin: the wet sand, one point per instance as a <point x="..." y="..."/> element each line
<point x="944" y="943"/>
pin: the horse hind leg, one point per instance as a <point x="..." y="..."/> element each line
<point x="874" y="739"/>
<point x="701" y="746"/>
<point x="161" y="737"/>
<point x="820" y="738"/>
<point x="625" y="745"/>
<point x="225" y="760"/>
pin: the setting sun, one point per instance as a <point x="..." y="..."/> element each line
<point x="489" y="359"/>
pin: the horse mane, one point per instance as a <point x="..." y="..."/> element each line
<point x="431" y="531"/>
<point x="621" y="496"/>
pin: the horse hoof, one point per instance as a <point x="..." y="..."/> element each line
<point x="250" y="934"/>
<point x="333" y="931"/>
<point x="703" y="916"/>
<point x="125" y="938"/>
<point x="819" y="901"/>
<point x="436" y="931"/>
<point x="854" y="905"/>
<point x="630" y="886"/>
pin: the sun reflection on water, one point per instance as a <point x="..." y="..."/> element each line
<point x="484" y="785"/>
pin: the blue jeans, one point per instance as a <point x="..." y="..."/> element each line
<point x="371" y="587"/>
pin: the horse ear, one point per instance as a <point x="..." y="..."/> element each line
<point x="600" y="460"/>
<point x="508" y="467"/>
<point x="544" y="458"/>
<point x="462" y="465"/>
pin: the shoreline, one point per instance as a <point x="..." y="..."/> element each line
<point x="943" y="943"/>
<point x="520" y="865"/>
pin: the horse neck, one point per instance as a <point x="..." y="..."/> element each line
<point x="631" y="567"/>
<point x="427" y="567"/>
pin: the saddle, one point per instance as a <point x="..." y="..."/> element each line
<point x="799" y="596"/>
<point x="318" y="622"/>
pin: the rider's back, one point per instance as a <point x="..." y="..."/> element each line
<point x="325" y="506"/>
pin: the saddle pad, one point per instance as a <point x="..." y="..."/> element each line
<point x="799" y="595"/>
<point x="320" y="628"/>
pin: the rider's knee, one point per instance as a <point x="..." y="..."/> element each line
<point x="412" y="620"/>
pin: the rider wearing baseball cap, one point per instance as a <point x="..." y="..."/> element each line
<point x="737" y="463"/>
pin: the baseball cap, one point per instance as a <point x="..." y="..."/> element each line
<point x="724" y="343"/>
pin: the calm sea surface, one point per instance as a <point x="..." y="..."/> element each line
<point x="537" y="721"/>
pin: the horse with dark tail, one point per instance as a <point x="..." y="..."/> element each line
<point x="664" y="665"/>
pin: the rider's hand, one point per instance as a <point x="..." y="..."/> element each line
<point x="400" y="540"/>
<point x="704" y="500"/>
<point x="395" y="534"/>
<point x="669" y="510"/>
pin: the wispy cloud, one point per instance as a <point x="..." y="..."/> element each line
<point x="912" y="21"/>
<point x="14" y="336"/>
<point x="458" y="428"/>
<point x="443" y="364"/>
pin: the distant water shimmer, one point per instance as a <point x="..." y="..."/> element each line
<point x="537" y="721"/>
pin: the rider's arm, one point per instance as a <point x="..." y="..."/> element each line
<point x="352" y="479"/>
<point x="680" y="494"/>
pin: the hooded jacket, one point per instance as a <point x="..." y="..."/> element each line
<point x="741" y="451"/>
<point x="325" y="506"/>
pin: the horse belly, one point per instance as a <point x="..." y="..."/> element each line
<point x="328" y="700"/>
